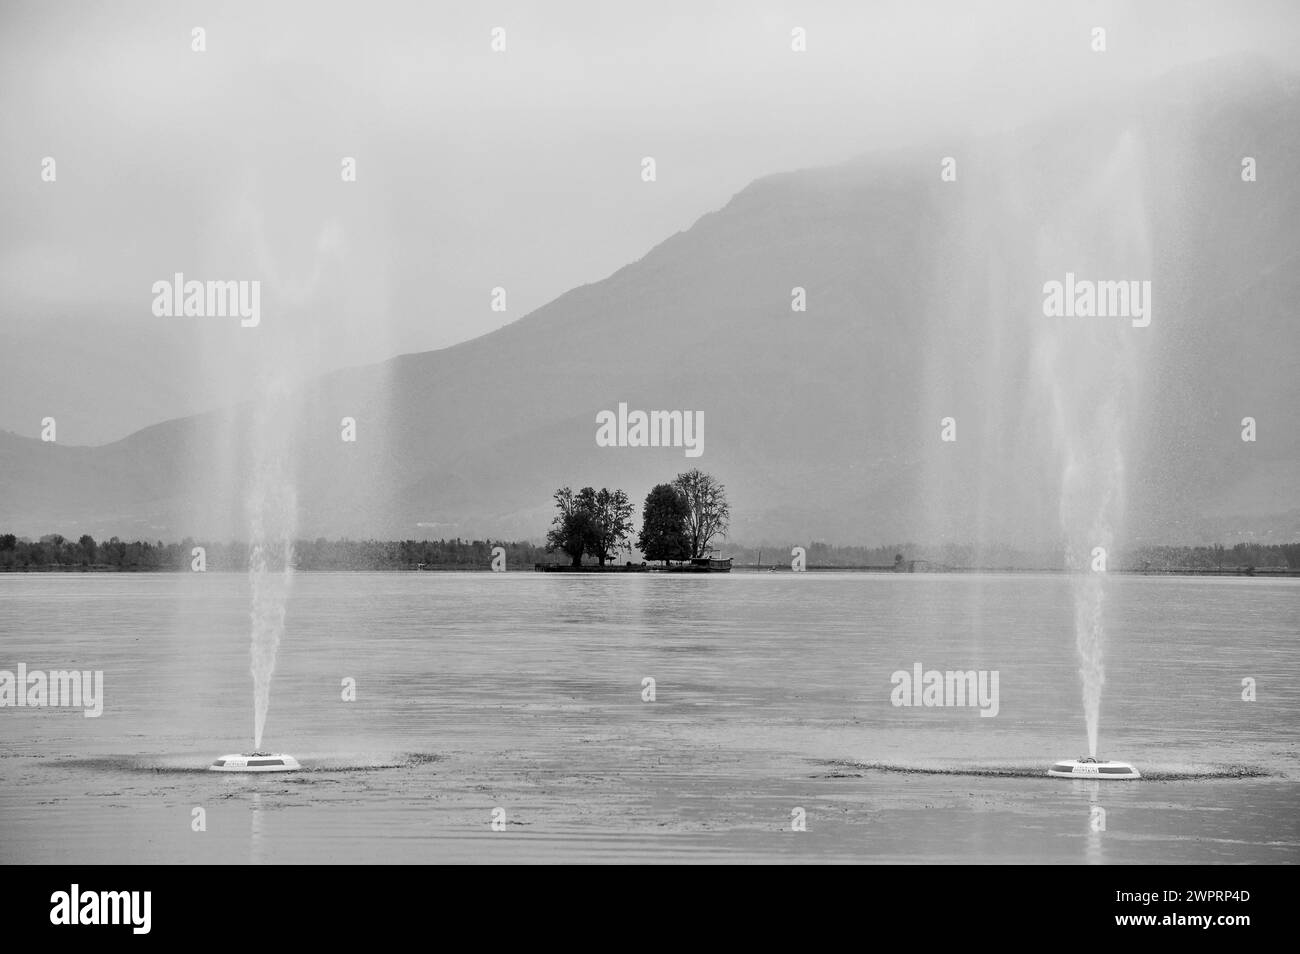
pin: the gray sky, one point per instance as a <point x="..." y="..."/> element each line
<point x="475" y="169"/>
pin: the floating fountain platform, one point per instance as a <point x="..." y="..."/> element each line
<point x="1093" y="768"/>
<point x="255" y="762"/>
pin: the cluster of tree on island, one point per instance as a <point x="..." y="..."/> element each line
<point x="679" y="520"/>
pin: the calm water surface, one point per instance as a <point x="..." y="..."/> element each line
<point x="523" y="692"/>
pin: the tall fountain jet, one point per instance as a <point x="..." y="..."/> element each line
<point x="1089" y="369"/>
<point x="272" y="523"/>
<point x="270" y="571"/>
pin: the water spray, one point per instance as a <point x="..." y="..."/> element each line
<point x="273" y="512"/>
<point x="1090" y="375"/>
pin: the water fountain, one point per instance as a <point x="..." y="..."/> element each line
<point x="1089" y="370"/>
<point x="255" y="762"/>
<point x="1088" y="767"/>
<point x="273" y="512"/>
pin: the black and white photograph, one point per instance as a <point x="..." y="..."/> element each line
<point x="566" y="432"/>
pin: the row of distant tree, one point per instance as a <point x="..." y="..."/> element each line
<point x="53" y="551"/>
<point x="1247" y="555"/>
<point x="679" y="520"/>
<point x="1242" y="556"/>
<point x="662" y="534"/>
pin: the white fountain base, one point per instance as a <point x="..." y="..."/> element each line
<point x="1093" y="768"/>
<point x="255" y="762"/>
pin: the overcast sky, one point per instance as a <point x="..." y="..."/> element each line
<point x="479" y="169"/>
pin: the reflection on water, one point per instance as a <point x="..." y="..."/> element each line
<point x="255" y="842"/>
<point x="1096" y="822"/>
<point x="772" y="691"/>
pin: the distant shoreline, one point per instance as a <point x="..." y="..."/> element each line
<point x="749" y="569"/>
<point x="54" y="553"/>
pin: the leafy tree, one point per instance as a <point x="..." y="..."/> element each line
<point x="663" y="525"/>
<point x="590" y="521"/>
<point x="708" y="514"/>
<point x="610" y="524"/>
<point x="571" y="529"/>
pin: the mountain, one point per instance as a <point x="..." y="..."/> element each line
<point x="924" y="301"/>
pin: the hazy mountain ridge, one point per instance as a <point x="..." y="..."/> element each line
<point x="922" y="299"/>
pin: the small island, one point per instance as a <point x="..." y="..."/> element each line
<point x="679" y="521"/>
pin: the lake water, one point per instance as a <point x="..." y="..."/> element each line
<point x="523" y="692"/>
